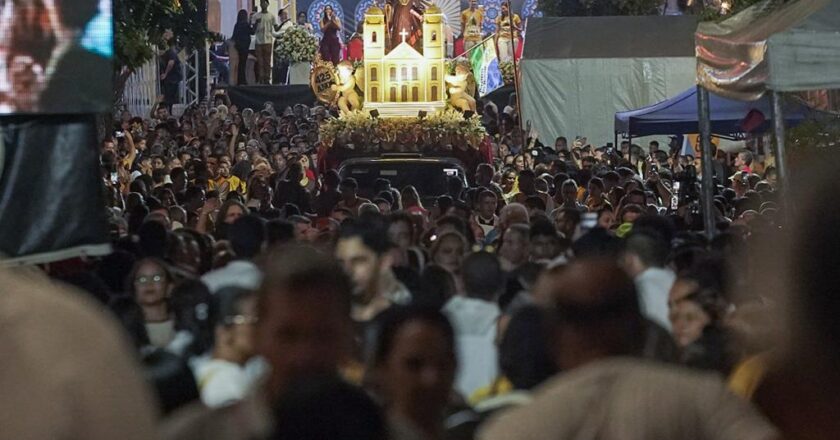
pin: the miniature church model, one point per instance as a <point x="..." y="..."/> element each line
<point x="404" y="81"/>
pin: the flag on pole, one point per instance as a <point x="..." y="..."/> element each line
<point x="485" y="65"/>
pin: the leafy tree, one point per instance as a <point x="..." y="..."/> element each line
<point x="139" y="28"/>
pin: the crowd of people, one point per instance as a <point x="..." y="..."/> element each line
<point x="568" y="292"/>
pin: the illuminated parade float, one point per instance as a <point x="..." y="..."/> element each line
<point x="410" y="96"/>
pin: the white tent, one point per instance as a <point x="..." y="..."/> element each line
<point x="795" y="47"/>
<point x="577" y="72"/>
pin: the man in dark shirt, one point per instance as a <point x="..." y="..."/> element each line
<point x="329" y="196"/>
<point x="290" y="190"/>
<point x="170" y="72"/>
<point x="78" y="80"/>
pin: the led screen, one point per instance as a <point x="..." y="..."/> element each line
<point x="55" y="56"/>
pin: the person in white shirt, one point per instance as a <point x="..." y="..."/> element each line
<point x="264" y="42"/>
<point x="151" y="284"/>
<point x="281" y="67"/>
<point x="247" y="237"/>
<point x="475" y="319"/>
<point x="644" y="258"/>
<point x="223" y="378"/>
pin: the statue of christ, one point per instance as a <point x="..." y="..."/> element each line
<point x="404" y="16"/>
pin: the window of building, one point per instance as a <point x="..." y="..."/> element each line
<point x="434" y="73"/>
<point x="373" y="37"/>
<point x="404" y="74"/>
<point x="434" y="93"/>
<point x="404" y="93"/>
<point x="373" y="74"/>
<point x="414" y="73"/>
<point x="374" y="94"/>
<point x="415" y="94"/>
<point x="393" y="97"/>
<point x="393" y="73"/>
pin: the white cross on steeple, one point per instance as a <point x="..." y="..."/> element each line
<point x="403" y="34"/>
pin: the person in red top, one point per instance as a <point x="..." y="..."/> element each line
<point x="743" y="162"/>
<point x="458" y="45"/>
<point x="356" y="46"/>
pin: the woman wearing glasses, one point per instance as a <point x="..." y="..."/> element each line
<point x="151" y="287"/>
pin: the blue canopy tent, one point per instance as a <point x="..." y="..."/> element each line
<point x="678" y="115"/>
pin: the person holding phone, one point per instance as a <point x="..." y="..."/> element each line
<point x="330" y="47"/>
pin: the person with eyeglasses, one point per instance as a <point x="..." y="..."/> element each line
<point x="151" y="286"/>
<point x="223" y="377"/>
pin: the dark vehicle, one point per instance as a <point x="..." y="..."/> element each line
<point x="430" y="175"/>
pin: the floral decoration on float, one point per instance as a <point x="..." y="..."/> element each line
<point x="434" y="133"/>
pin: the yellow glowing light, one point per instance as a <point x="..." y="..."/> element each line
<point x="406" y="78"/>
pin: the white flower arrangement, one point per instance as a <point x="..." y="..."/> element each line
<point x="296" y="45"/>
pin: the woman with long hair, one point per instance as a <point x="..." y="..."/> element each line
<point x="150" y="285"/>
<point x="240" y="42"/>
<point x="411" y="201"/>
<point x="448" y="252"/>
<point x="330" y="47"/>
<point x="413" y="370"/>
<point x="228" y="213"/>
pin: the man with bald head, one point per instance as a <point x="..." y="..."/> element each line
<point x="604" y="390"/>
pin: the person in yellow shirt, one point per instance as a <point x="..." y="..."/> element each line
<point x="225" y="182"/>
<point x="471" y="20"/>
<point x="507" y="33"/>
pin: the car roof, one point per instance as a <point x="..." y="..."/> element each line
<point x="401" y="158"/>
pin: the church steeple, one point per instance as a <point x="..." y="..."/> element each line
<point x="434" y="40"/>
<point x="374" y="38"/>
<point x="374" y="32"/>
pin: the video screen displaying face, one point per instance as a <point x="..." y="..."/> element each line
<point x="55" y="56"/>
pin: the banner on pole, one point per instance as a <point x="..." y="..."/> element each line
<point x="485" y="65"/>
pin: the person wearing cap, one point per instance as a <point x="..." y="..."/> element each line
<point x="740" y="183"/>
<point x="222" y="377"/>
